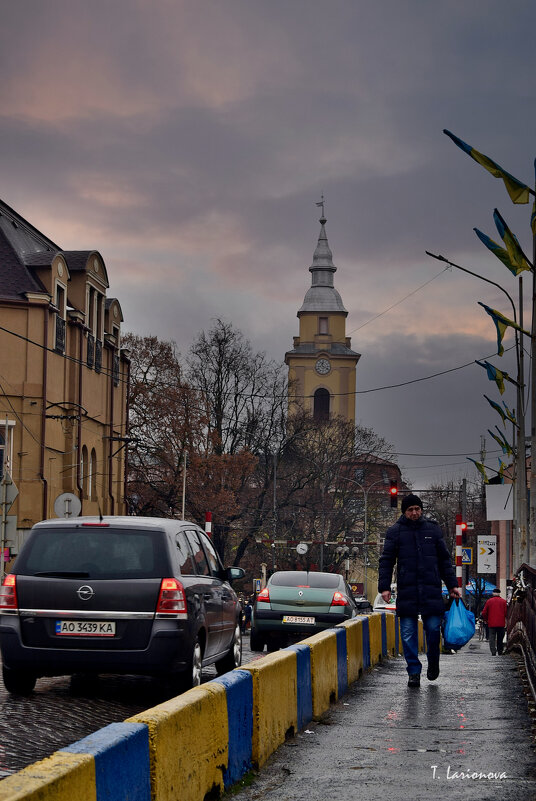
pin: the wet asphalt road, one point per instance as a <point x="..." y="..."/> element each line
<point x="61" y="711"/>
<point x="382" y="739"/>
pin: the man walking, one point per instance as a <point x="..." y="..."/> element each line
<point x="417" y="546"/>
<point x="494" y="614"/>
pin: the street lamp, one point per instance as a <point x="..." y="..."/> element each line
<point x="365" y="521"/>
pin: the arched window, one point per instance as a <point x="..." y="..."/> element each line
<point x="321" y="404"/>
<point x="93" y="474"/>
<point x="84" y="471"/>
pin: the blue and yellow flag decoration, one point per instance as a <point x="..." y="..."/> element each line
<point x="505" y="414"/>
<point x="497" y="408"/>
<point x="533" y="218"/>
<point x="513" y="247"/>
<point x="511" y="415"/>
<point x="501" y="470"/>
<point x="500" y="252"/>
<point x="502" y="442"/>
<point x="518" y="191"/>
<point x="496" y="375"/>
<point x="479" y="466"/>
<point x="501" y="324"/>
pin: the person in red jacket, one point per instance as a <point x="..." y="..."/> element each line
<point x="494" y="614"/>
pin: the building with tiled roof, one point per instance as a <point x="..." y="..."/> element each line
<point x="63" y="380"/>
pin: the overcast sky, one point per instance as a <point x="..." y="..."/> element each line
<point x="189" y="141"/>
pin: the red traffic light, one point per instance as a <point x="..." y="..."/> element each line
<point x="393" y="491"/>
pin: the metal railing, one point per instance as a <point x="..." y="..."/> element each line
<point x="521" y="621"/>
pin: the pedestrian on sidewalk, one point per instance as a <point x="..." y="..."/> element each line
<point x="494" y="613"/>
<point x="416" y="545"/>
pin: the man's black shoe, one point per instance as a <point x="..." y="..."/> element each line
<point x="414" y="680"/>
<point x="432" y="673"/>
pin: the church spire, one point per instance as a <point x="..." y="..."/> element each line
<point x="322" y="296"/>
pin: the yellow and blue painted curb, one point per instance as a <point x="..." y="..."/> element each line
<point x="205" y="740"/>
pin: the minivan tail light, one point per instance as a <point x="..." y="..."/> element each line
<point x="264" y="596"/>
<point x="339" y="599"/>
<point x="172" y="598"/>
<point x="8" y="592"/>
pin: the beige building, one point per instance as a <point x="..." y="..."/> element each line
<point x="322" y="366"/>
<point x="63" y="380"/>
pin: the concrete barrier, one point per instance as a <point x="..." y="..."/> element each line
<point x="205" y="740"/>
<point x="274" y="677"/>
<point x="60" y="777"/>
<point x="324" y="670"/>
<point x="188" y="744"/>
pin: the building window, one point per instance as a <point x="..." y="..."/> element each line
<point x="323" y="325"/>
<point x="92" y="478"/>
<point x="321" y="404"/>
<point x="60" y="304"/>
<point x="359" y="474"/>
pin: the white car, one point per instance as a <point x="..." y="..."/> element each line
<point x="382" y="606"/>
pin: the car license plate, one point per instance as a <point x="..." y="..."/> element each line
<point x="298" y="619"/>
<point x="85" y="628"/>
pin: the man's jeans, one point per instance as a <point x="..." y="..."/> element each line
<point x="409" y="632"/>
<point x="496" y="636"/>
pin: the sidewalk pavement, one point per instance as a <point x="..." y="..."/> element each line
<point x="384" y="741"/>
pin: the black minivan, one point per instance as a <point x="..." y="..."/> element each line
<point x="128" y="595"/>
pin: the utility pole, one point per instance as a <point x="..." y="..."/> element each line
<point x="464" y="519"/>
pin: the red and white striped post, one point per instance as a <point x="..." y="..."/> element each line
<point x="459" y="550"/>
<point x="208" y="524"/>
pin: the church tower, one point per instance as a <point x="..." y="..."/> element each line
<point x="322" y="366"/>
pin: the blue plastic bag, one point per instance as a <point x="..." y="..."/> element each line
<point x="460" y="625"/>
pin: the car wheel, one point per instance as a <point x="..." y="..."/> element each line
<point x="192" y="676"/>
<point x="18" y="682"/>
<point x="256" y="642"/>
<point x="234" y="658"/>
<point x="274" y="643"/>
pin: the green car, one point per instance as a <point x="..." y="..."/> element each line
<point x="295" y="604"/>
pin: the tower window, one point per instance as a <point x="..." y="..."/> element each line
<point x="321" y="404"/>
<point x="323" y="325"/>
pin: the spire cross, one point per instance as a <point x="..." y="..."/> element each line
<point x="321" y="204"/>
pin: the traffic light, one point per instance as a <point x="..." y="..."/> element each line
<point x="393" y="491"/>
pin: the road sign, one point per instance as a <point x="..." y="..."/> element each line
<point x="471" y="526"/>
<point x="67" y="505"/>
<point x="257" y="585"/>
<point x="467" y="556"/>
<point x="487" y="554"/>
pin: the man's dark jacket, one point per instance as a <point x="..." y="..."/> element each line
<point x="423" y="560"/>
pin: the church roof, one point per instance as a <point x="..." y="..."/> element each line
<point x="322" y="295"/>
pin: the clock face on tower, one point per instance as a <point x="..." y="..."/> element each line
<point x="323" y="367"/>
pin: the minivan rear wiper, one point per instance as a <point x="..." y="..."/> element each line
<point x="62" y="574"/>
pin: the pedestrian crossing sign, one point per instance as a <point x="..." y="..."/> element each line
<point x="467" y="556"/>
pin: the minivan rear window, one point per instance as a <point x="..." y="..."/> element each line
<point x="97" y="553"/>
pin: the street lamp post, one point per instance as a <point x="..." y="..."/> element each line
<point x="365" y="518"/>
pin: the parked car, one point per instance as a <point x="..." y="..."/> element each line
<point x="297" y="603"/>
<point x="363" y="604"/>
<point x="127" y="595"/>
